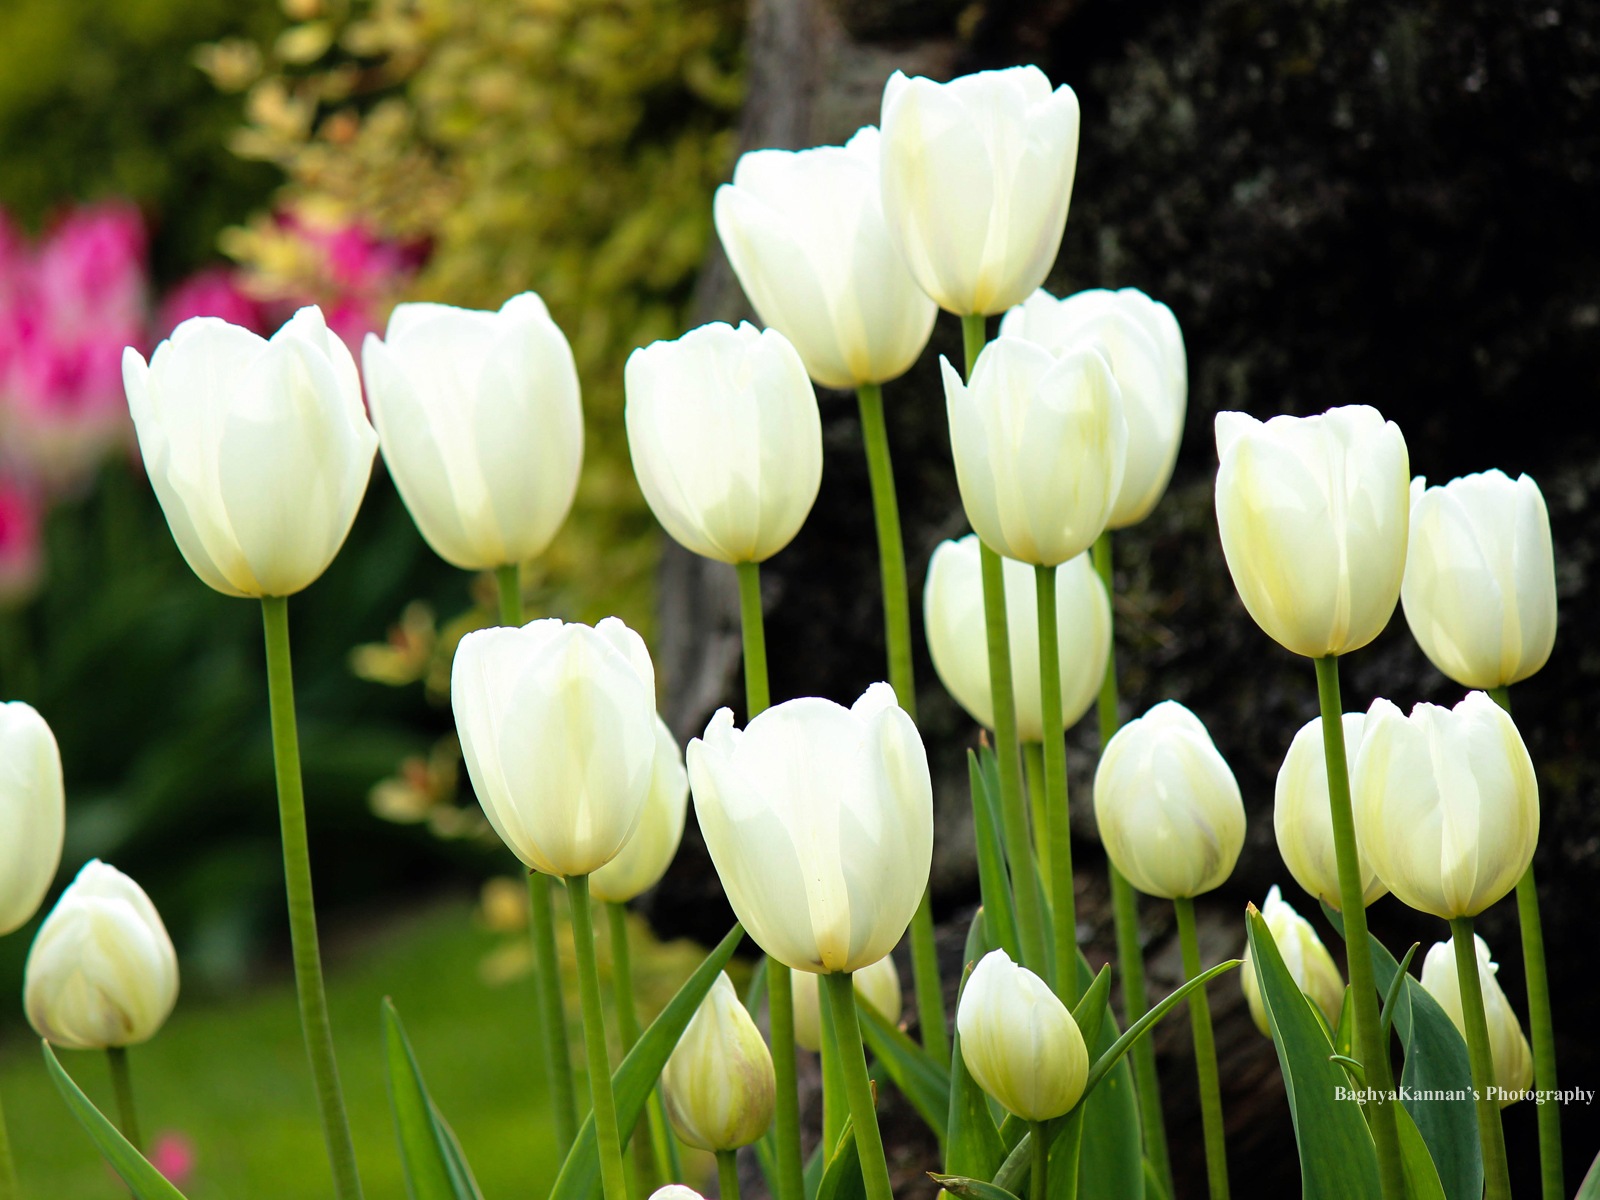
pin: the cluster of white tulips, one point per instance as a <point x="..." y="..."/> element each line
<point x="818" y="817"/>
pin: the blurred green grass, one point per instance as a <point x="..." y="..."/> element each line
<point x="231" y="1077"/>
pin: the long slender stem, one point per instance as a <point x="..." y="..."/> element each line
<point x="1039" y="1181"/>
<point x="790" y="1184"/>
<point x="727" y="1175"/>
<point x="1491" y="1137"/>
<point x="302" y="907"/>
<point x="1540" y="1027"/>
<point x="863" y="1111"/>
<point x="1125" y="910"/>
<point x="974" y="333"/>
<point x="555" y="1056"/>
<point x="654" y="1163"/>
<point x="10" y="1189"/>
<point x="1370" y="1041"/>
<point x="1063" y="903"/>
<point x="1033" y="777"/>
<point x="122" y="1089"/>
<point x="613" y="1177"/>
<point x="1205" y="1054"/>
<point x="835" y="1104"/>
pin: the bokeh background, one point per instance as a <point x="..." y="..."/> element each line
<point x="1387" y="203"/>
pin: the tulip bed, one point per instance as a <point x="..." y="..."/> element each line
<point x="817" y="817"/>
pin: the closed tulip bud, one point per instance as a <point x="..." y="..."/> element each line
<point x="1313" y="515"/>
<point x="952" y="608"/>
<point x="1446" y="804"/>
<point x="1307" y="959"/>
<point x="33" y="813"/>
<point x="877" y="985"/>
<point x="676" y="1191"/>
<point x="480" y="423"/>
<point x="1303" y="820"/>
<point x="1039" y="443"/>
<point x="558" y="729"/>
<point x="718" y="1084"/>
<point x="1144" y="345"/>
<point x="819" y="820"/>
<point x="1508" y="1046"/>
<point x="1019" y="1041"/>
<point x="1168" y="807"/>
<point x="645" y="857"/>
<point x="102" y="971"/>
<point x="1480" y="583"/>
<point x="259" y="451"/>
<point x="977" y="179"/>
<point x="726" y="439"/>
<point x="806" y="236"/>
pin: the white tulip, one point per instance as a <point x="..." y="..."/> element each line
<point x="877" y="985"/>
<point x="676" y="1191"/>
<point x="481" y="426"/>
<point x="1307" y="959"/>
<point x="1039" y="444"/>
<point x="102" y="971"/>
<point x="977" y="178"/>
<point x="1313" y="515"/>
<point x="1303" y="821"/>
<point x="953" y="617"/>
<point x="1019" y="1042"/>
<point x="805" y="234"/>
<point x="645" y="857"/>
<point x="1508" y="1045"/>
<point x="726" y="439"/>
<point x="259" y="451"/>
<point x="819" y="820"/>
<point x="1480" y="583"/>
<point x="1168" y="807"/>
<point x="33" y="813"/>
<point x="1144" y="345"/>
<point x="718" y="1084"/>
<point x="1446" y="804"/>
<point x="558" y="729"/>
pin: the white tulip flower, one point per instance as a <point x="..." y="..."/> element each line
<point x="819" y="820"/>
<point x="977" y="179"/>
<point x="1144" y="345"/>
<point x="726" y="439"/>
<point x="33" y="813"/>
<point x="1446" y="804"/>
<point x="102" y="972"/>
<point x="479" y="418"/>
<point x="1307" y="959"/>
<point x="1039" y="444"/>
<point x="1018" y="1040"/>
<point x="953" y="619"/>
<point x="877" y="985"/>
<point x="1313" y="513"/>
<point x="718" y="1084"/>
<point x="1480" y="584"/>
<point x="1508" y="1045"/>
<point x="805" y="233"/>
<point x="558" y="728"/>
<point x="1303" y="821"/>
<point x="258" y="450"/>
<point x="1168" y="806"/>
<point x="645" y="857"/>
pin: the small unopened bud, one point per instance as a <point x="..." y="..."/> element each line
<point x="877" y="985"/>
<point x="1308" y="961"/>
<point x="718" y="1085"/>
<point x="1019" y="1041"/>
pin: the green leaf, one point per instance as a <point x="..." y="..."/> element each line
<point x="756" y="992"/>
<point x="1090" y="1012"/>
<point x="915" y="1072"/>
<point x="1110" y="1152"/>
<point x="1337" y="1158"/>
<point x="1589" y="1189"/>
<point x="842" y="1179"/>
<point x="1152" y="1182"/>
<point x="143" y="1180"/>
<point x="435" y="1168"/>
<point x="1422" y="1177"/>
<point x="1109" y="1059"/>
<point x="632" y="1081"/>
<point x="972" y="1144"/>
<point x="994" y="884"/>
<point x="971" y="1189"/>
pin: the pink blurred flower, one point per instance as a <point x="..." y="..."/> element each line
<point x="174" y="1156"/>
<point x="90" y="275"/>
<point x="213" y="292"/>
<point x="21" y="552"/>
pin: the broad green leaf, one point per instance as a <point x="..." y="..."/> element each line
<point x="1422" y="1177"/>
<point x="1589" y="1189"/>
<point x="968" y="1188"/>
<point x="1152" y="1182"/>
<point x="143" y="1180"/>
<point x="1110" y="1152"/>
<point x="972" y="1145"/>
<point x="632" y="1081"/>
<point x="915" y="1072"/>
<point x="842" y="1178"/>
<point x="1337" y="1157"/>
<point x="435" y="1168"/>
<point x="994" y="883"/>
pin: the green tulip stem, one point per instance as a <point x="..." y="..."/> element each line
<point x="1205" y="1053"/>
<point x="1033" y="776"/>
<point x="1063" y="903"/>
<point x="727" y="1175"/>
<point x="628" y="1035"/>
<point x="835" y="1104"/>
<point x="897" y="636"/>
<point x="313" y="999"/>
<point x="1039" y="1177"/>
<point x="10" y="1189"/>
<point x="1539" y="1023"/>
<point x="1125" y="910"/>
<point x="1373" y="1046"/>
<point x="555" y="1059"/>
<point x="122" y="1089"/>
<point x="1491" y="1137"/>
<point x="790" y="1184"/>
<point x="974" y="333"/>
<point x="858" y="1087"/>
<point x="613" y="1176"/>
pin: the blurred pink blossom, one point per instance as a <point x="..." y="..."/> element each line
<point x="21" y="554"/>
<point x="174" y="1156"/>
<point x="213" y="292"/>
